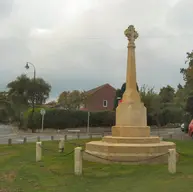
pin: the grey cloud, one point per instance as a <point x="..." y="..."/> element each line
<point x="180" y="17"/>
<point x="5" y="8"/>
<point x="91" y="49"/>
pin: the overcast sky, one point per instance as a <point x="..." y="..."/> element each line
<point x="80" y="44"/>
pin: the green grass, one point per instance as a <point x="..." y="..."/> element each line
<point x="20" y="172"/>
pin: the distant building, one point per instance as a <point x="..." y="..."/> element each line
<point x="100" y="99"/>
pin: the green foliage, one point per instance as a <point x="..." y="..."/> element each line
<point x="118" y="96"/>
<point x="23" y="90"/>
<point x="167" y="94"/>
<point x="72" y="100"/>
<point x="61" y="119"/>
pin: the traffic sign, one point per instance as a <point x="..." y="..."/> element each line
<point x="42" y="111"/>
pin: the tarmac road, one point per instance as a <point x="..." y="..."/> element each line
<point x="6" y="132"/>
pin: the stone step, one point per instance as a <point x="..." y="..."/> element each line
<point x="134" y="148"/>
<point x="137" y="140"/>
<point x="125" y="158"/>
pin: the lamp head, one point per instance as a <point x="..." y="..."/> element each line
<point x="27" y="66"/>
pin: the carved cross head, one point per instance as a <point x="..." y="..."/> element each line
<point x="131" y="34"/>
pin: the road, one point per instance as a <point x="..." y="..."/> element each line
<point x="6" y="132"/>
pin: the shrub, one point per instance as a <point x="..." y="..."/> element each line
<point x="61" y="119"/>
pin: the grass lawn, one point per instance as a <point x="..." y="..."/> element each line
<point x="19" y="172"/>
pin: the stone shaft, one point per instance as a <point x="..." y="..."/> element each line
<point x="131" y="94"/>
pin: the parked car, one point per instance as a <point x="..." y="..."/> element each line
<point x="190" y="129"/>
<point x="182" y="127"/>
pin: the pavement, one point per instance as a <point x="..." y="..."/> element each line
<point x="7" y="132"/>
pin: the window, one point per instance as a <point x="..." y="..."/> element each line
<point x="105" y="103"/>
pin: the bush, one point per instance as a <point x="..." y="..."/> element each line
<point x="61" y="119"/>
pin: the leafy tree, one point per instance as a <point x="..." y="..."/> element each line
<point x="72" y="100"/>
<point x="152" y="102"/>
<point x="167" y="94"/>
<point x="119" y="94"/>
<point x="189" y="105"/>
<point x="156" y="109"/>
<point x="117" y="97"/>
<point x="23" y="90"/>
<point x="188" y="72"/>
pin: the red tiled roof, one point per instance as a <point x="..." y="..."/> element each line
<point x="92" y="91"/>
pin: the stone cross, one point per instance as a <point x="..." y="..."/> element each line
<point x="131" y="34"/>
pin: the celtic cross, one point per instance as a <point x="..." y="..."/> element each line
<point x="131" y="34"/>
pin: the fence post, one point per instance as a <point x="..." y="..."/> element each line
<point x="65" y="137"/>
<point x="52" y="137"/>
<point x="9" y="141"/>
<point x="38" y="151"/>
<point x="172" y="161"/>
<point x="24" y="140"/>
<point x="61" y="145"/>
<point x="78" y="161"/>
<point x="38" y="139"/>
<point x="78" y="135"/>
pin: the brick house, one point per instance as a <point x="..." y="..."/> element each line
<point x="100" y="99"/>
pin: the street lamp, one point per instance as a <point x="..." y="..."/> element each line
<point x="33" y="98"/>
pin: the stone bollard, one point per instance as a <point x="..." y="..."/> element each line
<point x="78" y="135"/>
<point x="38" y="151"/>
<point x="52" y="137"/>
<point x="24" y="140"/>
<point x="38" y="139"/>
<point x="172" y="161"/>
<point x="78" y="161"/>
<point x="9" y="141"/>
<point x="61" y="145"/>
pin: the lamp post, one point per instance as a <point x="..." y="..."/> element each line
<point x="34" y="78"/>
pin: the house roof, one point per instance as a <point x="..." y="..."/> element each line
<point x="92" y="91"/>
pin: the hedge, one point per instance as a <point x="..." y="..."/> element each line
<point x="61" y="119"/>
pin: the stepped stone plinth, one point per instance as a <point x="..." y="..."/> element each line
<point x="130" y="142"/>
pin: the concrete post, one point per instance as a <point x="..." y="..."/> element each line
<point x="78" y="161"/>
<point x="90" y="135"/>
<point x="38" y="151"/>
<point x="52" y="137"/>
<point x="61" y="145"/>
<point x="172" y="161"/>
<point x="9" y="141"/>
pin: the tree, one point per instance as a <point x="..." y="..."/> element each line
<point x="188" y="72"/>
<point x="21" y="92"/>
<point x="72" y="100"/>
<point x="152" y="102"/>
<point x="23" y="89"/>
<point x="6" y="111"/>
<point x="119" y="94"/>
<point x="167" y="94"/>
